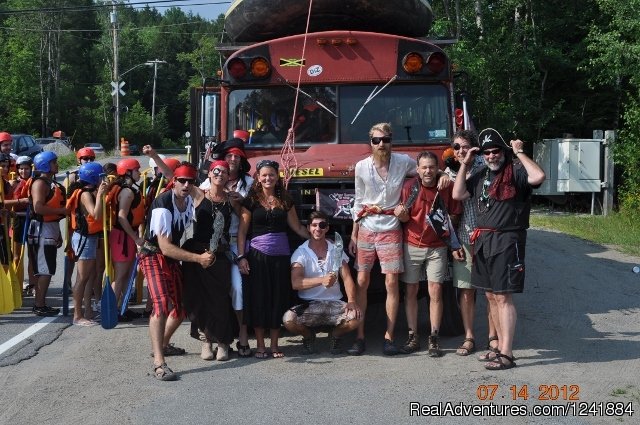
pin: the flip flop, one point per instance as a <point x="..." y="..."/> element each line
<point x="277" y="354"/>
<point x="498" y="363"/>
<point x="261" y="354"/>
<point x="84" y="322"/>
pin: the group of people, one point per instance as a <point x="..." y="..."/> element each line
<point x="219" y="254"/>
<point x="408" y="216"/>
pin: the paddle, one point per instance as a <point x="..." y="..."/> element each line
<point x="108" y="303"/>
<point x="7" y="303"/>
<point x="130" y="285"/>
<point x="68" y="267"/>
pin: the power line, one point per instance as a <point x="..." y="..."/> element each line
<point x="105" y="6"/>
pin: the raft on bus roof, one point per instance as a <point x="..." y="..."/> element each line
<point x="261" y="20"/>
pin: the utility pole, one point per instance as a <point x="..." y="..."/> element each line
<point x="116" y="78"/>
<point x="153" y="98"/>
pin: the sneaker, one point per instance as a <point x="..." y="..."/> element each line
<point x="357" y="349"/>
<point x="132" y="314"/>
<point x="308" y="344"/>
<point x="434" y="346"/>
<point x="124" y="319"/>
<point x="389" y="348"/>
<point x="335" y="345"/>
<point x="45" y="311"/>
<point x="412" y="345"/>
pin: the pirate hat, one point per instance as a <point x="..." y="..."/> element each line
<point x="490" y="138"/>
<point x="235" y="145"/>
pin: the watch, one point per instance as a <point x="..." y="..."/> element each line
<point x="519" y="151"/>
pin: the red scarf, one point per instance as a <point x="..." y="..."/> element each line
<point x="502" y="187"/>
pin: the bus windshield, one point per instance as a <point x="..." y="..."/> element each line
<point x="419" y="114"/>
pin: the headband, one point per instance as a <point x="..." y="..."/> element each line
<point x="236" y="151"/>
<point x="188" y="171"/>
<point x="267" y="163"/>
<point x="219" y="163"/>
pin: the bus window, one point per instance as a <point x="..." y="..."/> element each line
<point x="418" y="114"/>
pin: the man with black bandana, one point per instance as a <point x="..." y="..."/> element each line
<point x="501" y="194"/>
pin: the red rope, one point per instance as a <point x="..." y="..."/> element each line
<point x="288" y="154"/>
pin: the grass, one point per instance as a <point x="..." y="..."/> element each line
<point x="620" y="230"/>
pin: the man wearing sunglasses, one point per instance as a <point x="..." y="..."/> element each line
<point x="501" y="195"/>
<point x="315" y="267"/>
<point x="377" y="233"/>
<point x="169" y="216"/>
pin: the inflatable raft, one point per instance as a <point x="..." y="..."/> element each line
<point x="261" y="20"/>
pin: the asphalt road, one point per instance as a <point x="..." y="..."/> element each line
<point x="577" y="338"/>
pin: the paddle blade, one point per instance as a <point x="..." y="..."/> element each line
<point x="127" y="294"/>
<point x="16" y="284"/>
<point x="108" y="307"/>
<point x="66" y="285"/>
<point x="139" y="284"/>
<point x="6" y="293"/>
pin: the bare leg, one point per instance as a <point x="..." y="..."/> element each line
<point x="435" y="306"/>
<point x="298" y="329"/>
<point x="122" y="273"/>
<point x="274" y="335"/>
<point x="83" y="276"/>
<point x="345" y="327"/>
<point x="361" y="297"/>
<point x="172" y="323"/>
<point x="260" y="339"/>
<point x="411" y="305"/>
<point x="41" y="291"/>
<point x="243" y="336"/>
<point x="392" y="304"/>
<point x="157" y="333"/>
<point x="507" y="322"/>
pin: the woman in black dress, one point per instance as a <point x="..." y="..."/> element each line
<point x="207" y="299"/>
<point x="267" y="211"/>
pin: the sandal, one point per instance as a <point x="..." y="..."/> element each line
<point x="277" y="354"/>
<point x="243" y="350"/>
<point x="466" y="350"/>
<point x="261" y="354"/>
<point x="163" y="373"/>
<point x="172" y="350"/>
<point x="498" y="363"/>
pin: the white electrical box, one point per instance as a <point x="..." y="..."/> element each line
<point x="570" y="165"/>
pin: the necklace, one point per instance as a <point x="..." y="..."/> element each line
<point x="484" y="202"/>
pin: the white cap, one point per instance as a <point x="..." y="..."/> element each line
<point x="152" y="162"/>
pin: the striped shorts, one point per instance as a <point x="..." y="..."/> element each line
<point x="386" y="246"/>
<point x="164" y="281"/>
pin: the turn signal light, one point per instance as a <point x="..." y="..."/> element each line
<point x="260" y="68"/>
<point x="412" y="63"/>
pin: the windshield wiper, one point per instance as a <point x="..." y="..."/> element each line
<point x="317" y="102"/>
<point x="373" y="94"/>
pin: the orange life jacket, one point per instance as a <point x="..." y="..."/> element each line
<point x="83" y="224"/>
<point x="137" y="211"/>
<point x="56" y="198"/>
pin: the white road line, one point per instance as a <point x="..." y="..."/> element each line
<point x="26" y="333"/>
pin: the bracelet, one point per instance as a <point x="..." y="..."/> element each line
<point x="240" y="257"/>
<point x="519" y="151"/>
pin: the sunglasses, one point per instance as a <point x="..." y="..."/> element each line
<point x="266" y="163"/>
<point x="322" y="224"/>
<point x="217" y="171"/>
<point x="184" y="180"/>
<point x="458" y="146"/>
<point x="87" y="158"/>
<point x="384" y="139"/>
<point x="491" y="151"/>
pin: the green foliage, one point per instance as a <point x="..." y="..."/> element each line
<point x="619" y="229"/>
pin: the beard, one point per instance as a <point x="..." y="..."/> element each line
<point x="382" y="156"/>
<point x="495" y="165"/>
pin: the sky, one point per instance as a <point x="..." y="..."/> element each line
<point x="208" y="9"/>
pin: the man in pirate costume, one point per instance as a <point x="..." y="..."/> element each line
<point x="501" y="194"/>
<point x="170" y="214"/>
<point x="425" y="249"/>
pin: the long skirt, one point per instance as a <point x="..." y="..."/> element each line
<point x="266" y="290"/>
<point x="207" y="299"/>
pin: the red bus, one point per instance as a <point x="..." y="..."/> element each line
<point x="348" y="81"/>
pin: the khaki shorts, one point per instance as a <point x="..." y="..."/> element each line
<point x="462" y="270"/>
<point x="414" y="264"/>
